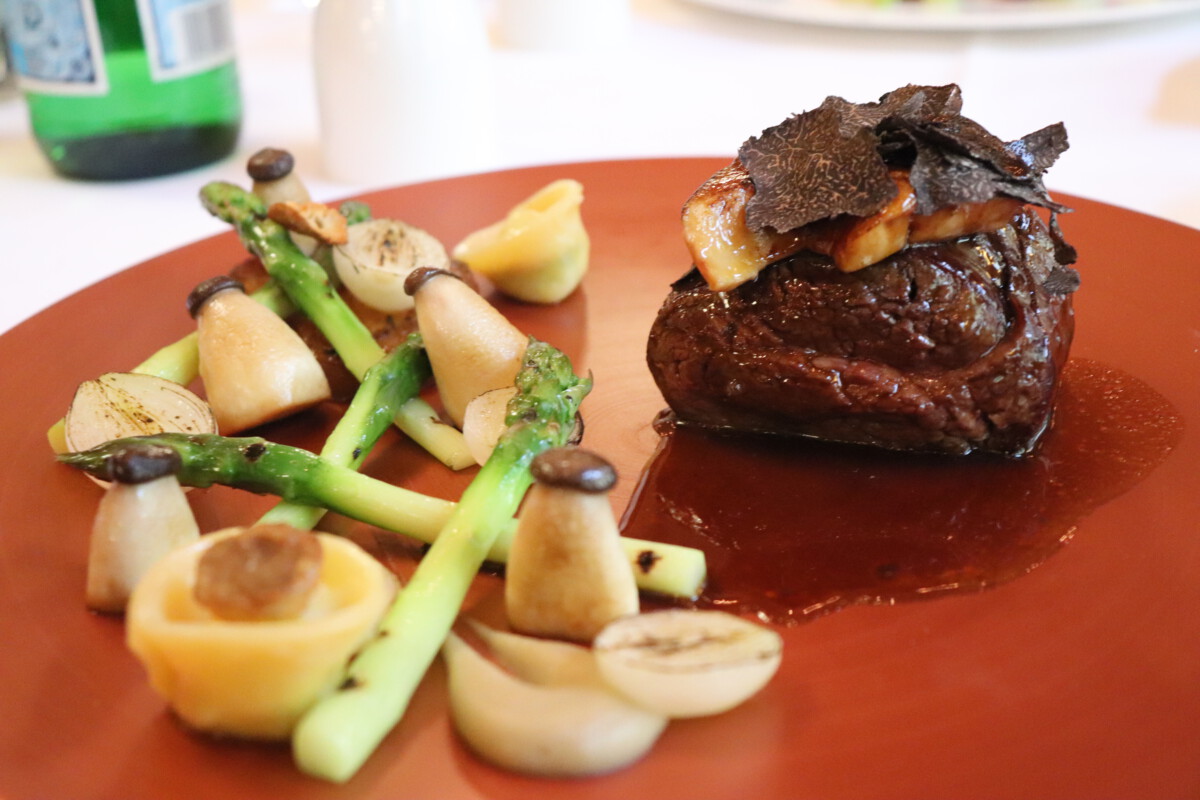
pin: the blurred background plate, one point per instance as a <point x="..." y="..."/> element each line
<point x="963" y="15"/>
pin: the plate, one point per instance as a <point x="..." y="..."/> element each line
<point x="957" y="15"/>
<point x="1079" y="679"/>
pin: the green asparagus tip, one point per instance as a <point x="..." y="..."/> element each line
<point x="223" y="200"/>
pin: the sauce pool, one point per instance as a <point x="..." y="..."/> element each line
<point x="794" y="528"/>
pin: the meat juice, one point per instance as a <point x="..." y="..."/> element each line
<point x="796" y="528"/>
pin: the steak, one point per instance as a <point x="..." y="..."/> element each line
<point x="948" y="347"/>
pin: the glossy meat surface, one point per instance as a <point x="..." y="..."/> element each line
<point x="948" y="347"/>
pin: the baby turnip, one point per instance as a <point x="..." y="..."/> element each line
<point x="472" y="347"/>
<point x="255" y="368"/>
<point x="143" y="516"/>
<point x="567" y="575"/>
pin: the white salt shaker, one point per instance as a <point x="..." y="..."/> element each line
<point x="563" y="25"/>
<point x="403" y="89"/>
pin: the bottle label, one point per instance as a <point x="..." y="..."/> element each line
<point x="186" y="36"/>
<point x="56" y="46"/>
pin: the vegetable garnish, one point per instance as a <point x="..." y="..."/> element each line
<point x="264" y="573"/>
<point x="685" y="662"/>
<point x="254" y="366"/>
<point x="472" y="347"/>
<point x="315" y="220"/>
<point x="305" y="282"/>
<point x="120" y="404"/>
<point x="386" y="388"/>
<point x="519" y="717"/>
<point x="379" y="254"/>
<point x="300" y="477"/>
<point x="308" y="286"/>
<point x="143" y="516"/>
<point x="567" y="576"/>
<point x="274" y="665"/>
<point x="341" y="731"/>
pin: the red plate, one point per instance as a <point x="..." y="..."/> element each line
<point x="1080" y="679"/>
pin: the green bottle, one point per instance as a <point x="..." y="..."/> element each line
<point x="127" y="88"/>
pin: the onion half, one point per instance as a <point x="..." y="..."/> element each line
<point x="120" y="404"/>
<point x="687" y="662"/>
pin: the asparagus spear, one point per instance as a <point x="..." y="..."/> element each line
<point x="302" y="478"/>
<point x="179" y="361"/>
<point x="384" y="389"/>
<point x="341" y="730"/>
<point x="302" y="278"/>
<point x="295" y="475"/>
<point x="309" y="287"/>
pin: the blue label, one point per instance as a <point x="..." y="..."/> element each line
<point x="56" y="43"/>
<point x="186" y="36"/>
<point x="169" y="44"/>
<point x="56" y="46"/>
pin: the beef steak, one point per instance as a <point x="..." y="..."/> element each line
<point x="947" y="347"/>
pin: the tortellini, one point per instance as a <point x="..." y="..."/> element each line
<point x="539" y="252"/>
<point x="253" y="679"/>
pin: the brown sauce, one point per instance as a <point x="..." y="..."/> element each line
<point x="793" y="529"/>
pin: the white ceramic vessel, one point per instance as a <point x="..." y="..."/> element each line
<point x="403" y="89"/>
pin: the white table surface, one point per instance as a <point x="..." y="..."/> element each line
<point x="689" y="80"/>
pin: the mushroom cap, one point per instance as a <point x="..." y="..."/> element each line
<point x="421" y="275"/>
<point x="142" y="463"/>
<point x="265" y="572"/>
<point x="206" y="289"/>
<point x="574" y="468"/>
<point x="270" y="164"/>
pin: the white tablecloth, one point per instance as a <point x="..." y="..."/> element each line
<point x="688" y="80"/>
